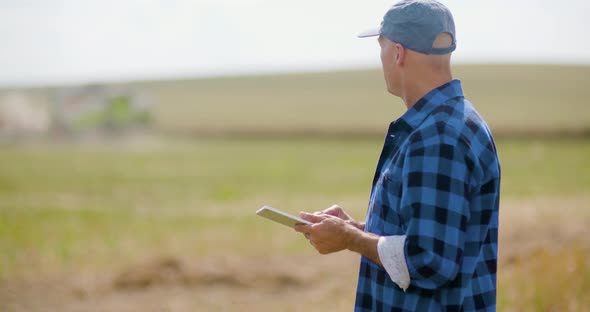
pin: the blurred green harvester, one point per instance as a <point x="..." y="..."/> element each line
<point x="100" y="109"/>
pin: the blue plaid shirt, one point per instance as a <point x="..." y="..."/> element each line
<point x="438" y="183"/>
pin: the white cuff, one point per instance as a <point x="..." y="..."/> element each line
<point x="392" y="256"/>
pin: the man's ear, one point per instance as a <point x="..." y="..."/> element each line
<point x="400" y="54"/>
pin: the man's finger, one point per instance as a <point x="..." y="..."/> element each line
<point x="302" y="228"/>
<point x="311" y="217"/>
<point x="334" y="210"/>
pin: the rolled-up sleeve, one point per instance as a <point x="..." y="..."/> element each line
<point x="435" y="209"/>
<point x="391" y="251"/>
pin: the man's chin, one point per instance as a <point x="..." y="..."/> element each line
<point x="392" y="92"/>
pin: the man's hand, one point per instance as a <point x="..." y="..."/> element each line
<point x="334" y="230"/>
<point x="328" y="233"/>
<point x="338" y="212"/>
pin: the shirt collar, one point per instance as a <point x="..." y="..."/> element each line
<point x="414" y="116"/>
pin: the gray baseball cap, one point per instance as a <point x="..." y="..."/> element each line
<point x="415" y="24"/>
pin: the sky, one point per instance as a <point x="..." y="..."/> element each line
<point x="47" y="42"/>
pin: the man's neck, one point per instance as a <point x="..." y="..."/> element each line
<point x="417" y="89"/>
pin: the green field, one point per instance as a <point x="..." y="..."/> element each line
<point x="166" y="223"/>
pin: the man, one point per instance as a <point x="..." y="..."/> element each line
<point x="429" y="242"/>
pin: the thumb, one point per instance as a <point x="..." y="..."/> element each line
<point x="311" y="217"/>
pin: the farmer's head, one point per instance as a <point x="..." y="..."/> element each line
<point x="416" y="40"/>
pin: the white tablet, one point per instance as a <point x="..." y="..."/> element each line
<point x="280" y="216"/>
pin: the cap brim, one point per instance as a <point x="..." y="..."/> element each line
<point x="370" y="33"/>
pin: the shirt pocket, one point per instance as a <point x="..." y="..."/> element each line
<point x="385" y="218"/>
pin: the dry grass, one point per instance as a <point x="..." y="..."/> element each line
<point x="544" y="266"/>
<point x="521" y="98"/>
<point x="545" y="255"/>
<point x="514" y="98"/>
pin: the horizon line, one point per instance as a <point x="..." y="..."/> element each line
<point x="240" y="73"/>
